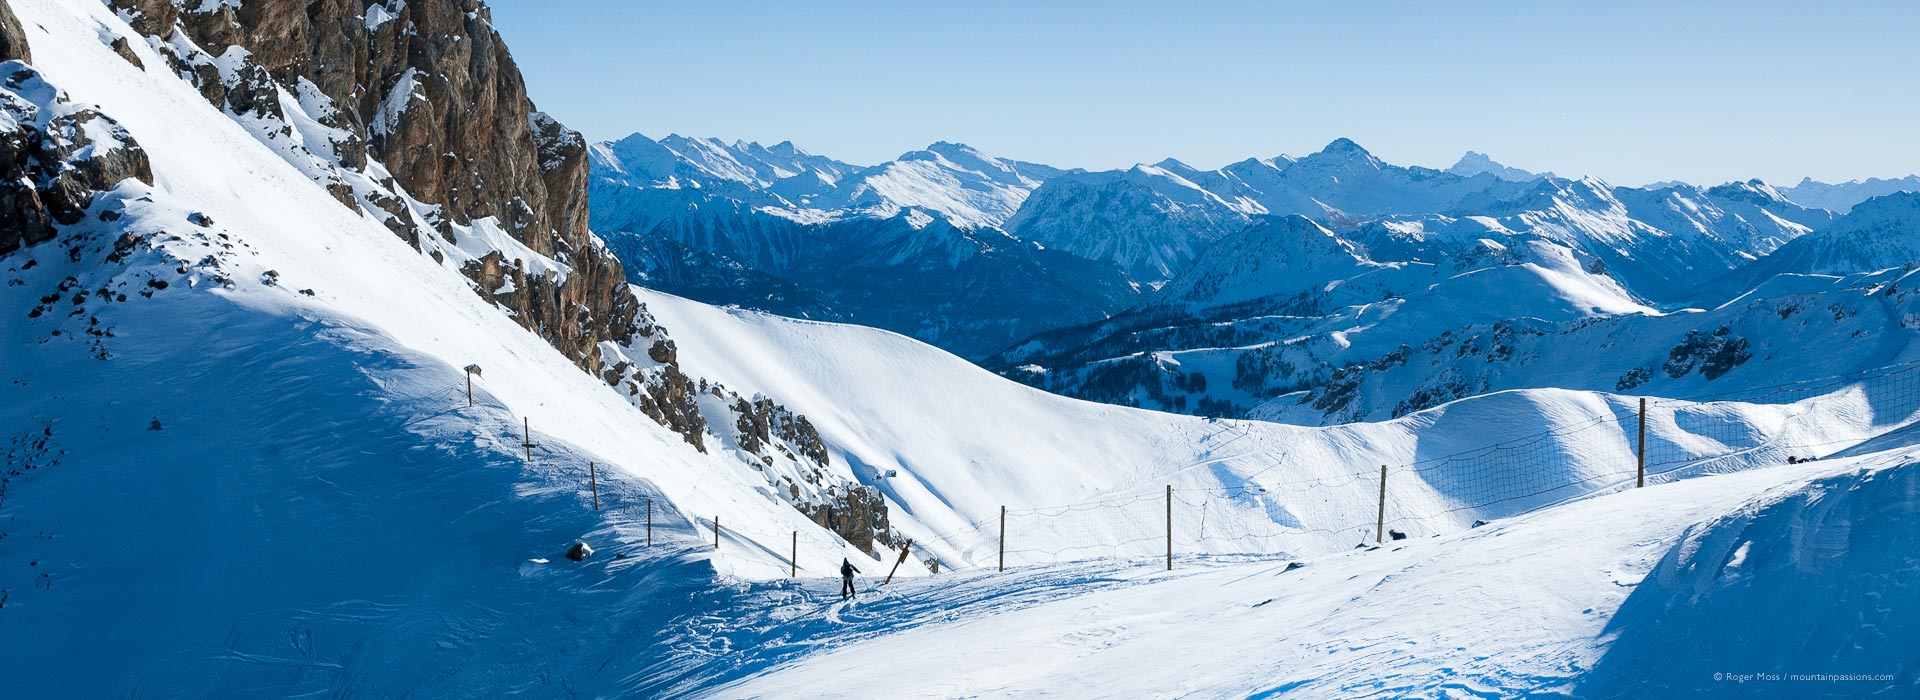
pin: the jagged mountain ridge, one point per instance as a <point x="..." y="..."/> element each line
<point x="1158" y="218"/>
<point x="910" y="245"/>
<point x="1841" y="197"/>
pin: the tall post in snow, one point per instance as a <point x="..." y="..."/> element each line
<point x="593" y="480"/>
<point x="526" y="428"/>
<point x="716" y="533"/>
<point x="793" y="560"/>
<point x="1169" y="527"/>
<point x="1003" y="538"/>
<point x="471" y="370"/>
<point x="1380" y="521"/>
<point x="1642" y="452"/>
<point x="898" y="562"/>
<point x="649" y="521"/>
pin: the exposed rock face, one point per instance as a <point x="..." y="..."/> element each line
<point x="54" y="159"/>
<point x="13" y="38"/>
<point x="761" y="421"/>
<point x="858" y="514"/>
<point x="429" y="89"/>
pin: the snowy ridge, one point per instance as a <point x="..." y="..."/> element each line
<point x="1842" y="197"/>
<point x="955" y="181"/>
<point x="1173" y="210"/>
<point x="1878" y="234"/>
<point x="908" y="245"/>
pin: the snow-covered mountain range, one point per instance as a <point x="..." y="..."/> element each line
<point x="1297" y="319"/>
<point x="910" y="245"/>
<point x="1843" y="196"/>
<point x="785" y="231"/>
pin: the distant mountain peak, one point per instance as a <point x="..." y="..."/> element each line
<point x="1475" y="163"/>
<point x="1344" y="145"/>
<point x="1754" y="190"/>
<point x="634" y="138"/>
<point x="953" y="148"/>
<point x="1344" y="151"/>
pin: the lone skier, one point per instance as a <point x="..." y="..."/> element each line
<point x="847" y="570"/>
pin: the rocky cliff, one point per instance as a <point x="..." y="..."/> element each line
<point x="430" y="92"/>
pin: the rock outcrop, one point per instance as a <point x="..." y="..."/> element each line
<point x="428" y="89"/>
<point x="13" y="37"/>
<point x="857" y="514"/>
<point x="54" y="158"/>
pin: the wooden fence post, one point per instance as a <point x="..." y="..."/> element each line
<point x="471" y="370"/>
<point x="593" y="479"/>
<point x="1380" y="521"/>
<point x="1169" y="527"/>
<point x="897" y="562"/>
<point x="716" y="533"/>
<point x="1003" y="538"/>
<point x="793" y="559"/>
<point x="1642" y="481"/>
<point x="526" y="427"/>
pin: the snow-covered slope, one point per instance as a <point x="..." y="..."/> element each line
<point x="257" y="242"/>
<point x="1148" y="219"/>
<point x="1878" y="234"/>
<point x="1649" y="593"/>
<point x="1277" y="257"/>
<point x="950" y="180"/>
<point x="236" y="417"/>
<point x="950" y="444"/>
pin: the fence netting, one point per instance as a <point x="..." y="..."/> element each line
<point x="1463" y="487"/>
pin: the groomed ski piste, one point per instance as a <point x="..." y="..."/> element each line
<point x="263" y="492"/>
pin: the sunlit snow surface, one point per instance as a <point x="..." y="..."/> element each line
<point x="1593" y="599"/>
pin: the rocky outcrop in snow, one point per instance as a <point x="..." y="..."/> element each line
<point x="13" y="37"/>
<point x="54" y="157"/>
<point x="423" y="111"/>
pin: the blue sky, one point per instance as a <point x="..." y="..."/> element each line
<point x="1628" y="91"/>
